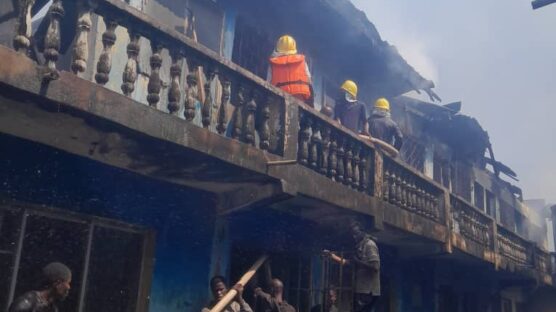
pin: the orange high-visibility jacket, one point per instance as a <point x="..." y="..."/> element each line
<point x="289" y="74"/>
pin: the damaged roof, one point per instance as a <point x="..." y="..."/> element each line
<point x="397" y="65"/>
<point x="463" y="133"/>
<point x="345" y="43"/>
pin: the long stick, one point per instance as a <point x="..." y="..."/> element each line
<point x="389" y="149"/>
<point x="231" y="294"/>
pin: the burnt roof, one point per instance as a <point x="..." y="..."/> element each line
<point x="343" y="40"/>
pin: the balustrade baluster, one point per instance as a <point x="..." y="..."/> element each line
<point x="364" y="170"/>
<point x="104" y="64"/>
<point x="348" y="165"/>
<point x="222" y="110"/>
<point x="192" y="92"/>
<point x="356" y="161"/>
<point x="421" y="200"/>
<point x="436" y="208"/>
<point x="52" y="38"/>
<point x="237" y="117"/>
<point x="393" y="186"/>
<point x="304" y="137"/>
<point x="404" y="188"/>
<point x="325" y="149"/>
<point x="249" y="124"/>
<point x="155" y="83"/>
<point x="22" y="39"/>
<point x="398" y="187"/>
<point x="206" y="111"/>
<point x="332" y="159"/>
<point x="386" y="183"/>
<point x="264" y="128"/>
<point x="411" y="194"/>
<point x="428" y="204"/>
<point x="314" y="145"/>
<point x="341" y="160"/>
<point x="81" y="46"/>
<point x="174" y="93"/>
<point x="130" y="71"/>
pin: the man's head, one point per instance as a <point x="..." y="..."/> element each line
<point x="357" y="231"/>
<point x="218" y="287"/>
<point x="277" y="287"/>
<point x="57" y="278"/>
<point x="331" y="297"/>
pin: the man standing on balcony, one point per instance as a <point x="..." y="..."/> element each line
<point x="383" y="127"/>
<point x="349" y="112"/>
<point x="289" y="71"/>
<point x="367" y="269"/>
<point x="55" y="286"/>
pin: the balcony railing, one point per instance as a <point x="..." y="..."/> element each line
<point x="543" y="261"/>
<point x="247" y="109"/>
<point x="243" y="107"/>
<point x="404" y="188"/>
<point x="514" y="247"/>
<point x="471" y="223"/>
<point x="335" y="152"/>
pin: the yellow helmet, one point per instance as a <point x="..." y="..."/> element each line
<point x="382" y="103"/>
<point x="350" y="87"/>
<point x="286" y="44"/>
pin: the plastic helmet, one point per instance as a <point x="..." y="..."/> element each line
<point x="382" y="103"/>
<point x="286" y="44"/>
<point x="350" y="87"/>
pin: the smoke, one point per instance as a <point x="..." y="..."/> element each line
<point x="397" y="30"/>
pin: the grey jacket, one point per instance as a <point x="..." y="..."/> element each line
<point x="384" y="128"/>
<point x="367" y="268"/>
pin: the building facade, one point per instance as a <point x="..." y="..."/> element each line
<point x="141" y="145"/>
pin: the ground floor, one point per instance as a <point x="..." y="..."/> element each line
<point x="138" y="244"/>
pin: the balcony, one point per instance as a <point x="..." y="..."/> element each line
<point x="235" y="135"/>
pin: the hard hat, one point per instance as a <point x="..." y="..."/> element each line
<point x="286" y="44"/>
<point x="382" y="103"/>
<point x="350" y="87"/>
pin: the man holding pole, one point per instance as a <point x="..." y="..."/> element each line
<point x="274" y="302"/>
<point x="367" y="269"/>
<point x="219" y="290"/>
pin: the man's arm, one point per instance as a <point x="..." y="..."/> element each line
<point x="398" y="137"/>
<point x="24" y="303"/>
<point x="363" y="119"/>
<point x="259" y="293"/>
<point x="243" y="306"/>
<point x="335" y="258"/>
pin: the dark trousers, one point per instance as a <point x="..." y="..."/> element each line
<point x="364" y="302"/>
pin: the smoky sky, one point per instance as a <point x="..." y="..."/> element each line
<point x="499" y="58"/>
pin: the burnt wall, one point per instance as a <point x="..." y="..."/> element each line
<point x="33" y="173"/>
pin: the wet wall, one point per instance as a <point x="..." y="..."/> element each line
<point x="183" y="219"/>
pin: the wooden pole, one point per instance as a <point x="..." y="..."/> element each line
<point x="389" y="149"/>
<point x="231" y="294"/>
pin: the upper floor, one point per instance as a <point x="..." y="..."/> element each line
<point x="178" y="94"/>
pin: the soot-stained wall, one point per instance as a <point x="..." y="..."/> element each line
<point x="182" y="219"/>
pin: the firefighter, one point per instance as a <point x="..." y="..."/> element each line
<point x="55" y="285"/>
<point x="383" y="127"/>
<point x="348" y="111"/>
<point x="289" y="71"/>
